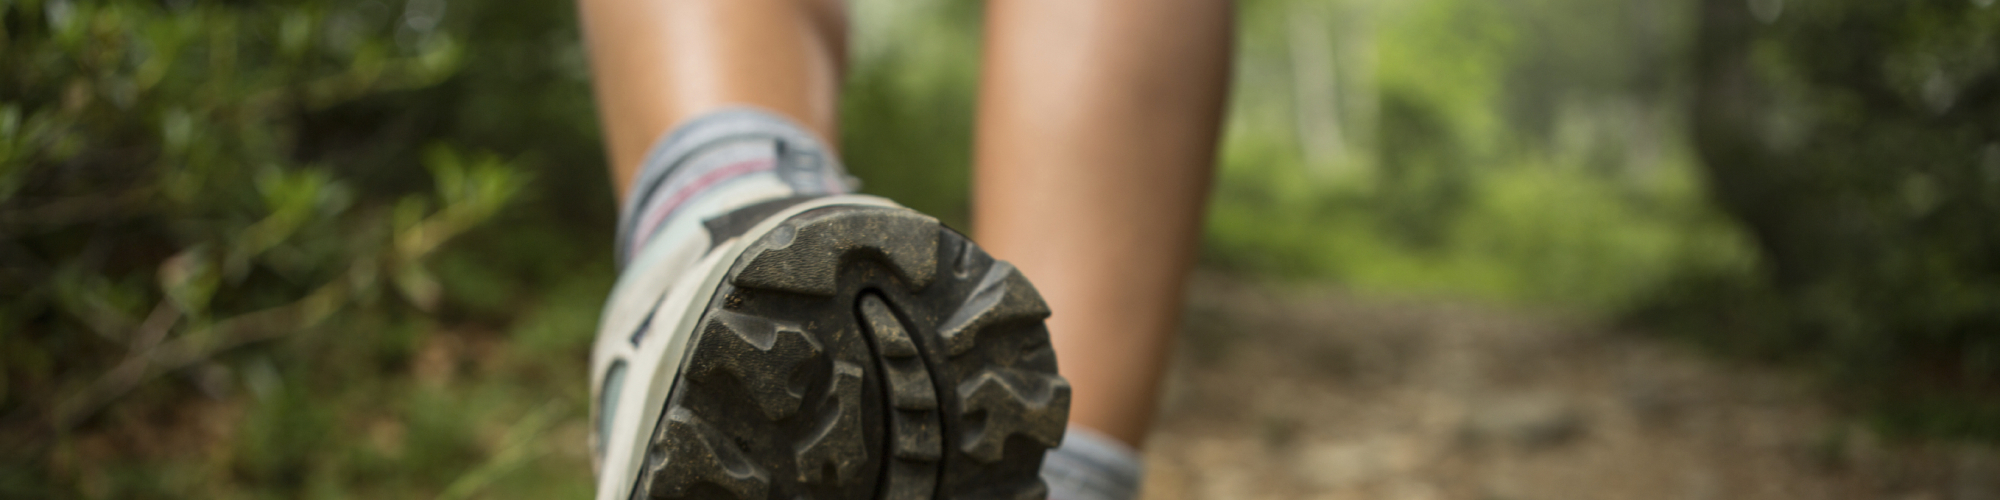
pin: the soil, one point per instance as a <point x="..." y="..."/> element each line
<point x="1315" y="393"/>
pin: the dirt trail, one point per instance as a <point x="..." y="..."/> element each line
<point x="1323" y="395"/>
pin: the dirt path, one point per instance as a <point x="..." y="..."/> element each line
<point x="1323" y="395"/>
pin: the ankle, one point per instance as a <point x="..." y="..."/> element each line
<point x="717" y="164"/>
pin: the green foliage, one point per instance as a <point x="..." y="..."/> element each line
<point x="227" y="257"/>
<point x="1514" y="151"/>
<point x="1858" y="142"/>
<point x="906" y="111"/>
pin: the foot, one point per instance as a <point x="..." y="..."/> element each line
<point x="830" y="348"/>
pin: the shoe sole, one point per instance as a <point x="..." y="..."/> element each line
<point x="861" y="352"/>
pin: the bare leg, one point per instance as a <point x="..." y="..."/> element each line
<point x="1096" y="133"/>
<point x="1096" y="137"/>
<point x="660" y="62"/>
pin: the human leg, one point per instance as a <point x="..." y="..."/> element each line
<point x="657" y="64"/>
<point x="769" y="338"/>
<point x="1096" y="137"/>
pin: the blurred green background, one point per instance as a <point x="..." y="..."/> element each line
<point x="330" y="249"/>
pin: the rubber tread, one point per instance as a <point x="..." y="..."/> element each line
<point x="863" y="353"/>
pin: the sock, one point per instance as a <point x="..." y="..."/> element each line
<point x="721" y="162"/>
<point x="1091" y="466"/>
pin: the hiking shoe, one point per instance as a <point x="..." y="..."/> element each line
<point x="834" y="347"/>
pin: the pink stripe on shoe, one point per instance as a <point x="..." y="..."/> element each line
<point x="660" y="211"/>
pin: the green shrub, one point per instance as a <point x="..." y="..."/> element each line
<point x="1858" y="142"/>
<point x="224" y="213"/>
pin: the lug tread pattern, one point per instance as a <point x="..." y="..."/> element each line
<point x="1003" y="295"/>
<point x="917" y="437"/>
<point x="1006" y="405"/>
<point x="863" y="352"/>
<point x="689" y="451"/>
<point x="804" y="256"/>
<point x="1019" y="490"/>
<point x="760" y="354"/>
<point x="1012" y="402"/>
<point x="837" y="444"/>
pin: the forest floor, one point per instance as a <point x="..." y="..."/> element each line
<point x="1276" y="393"/>
<point x="1315" y="393"/>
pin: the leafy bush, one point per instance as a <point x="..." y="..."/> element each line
<point x="1858" y="142"/>
<point x="1519" y="152"/>
<point x="216" y="214"/>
